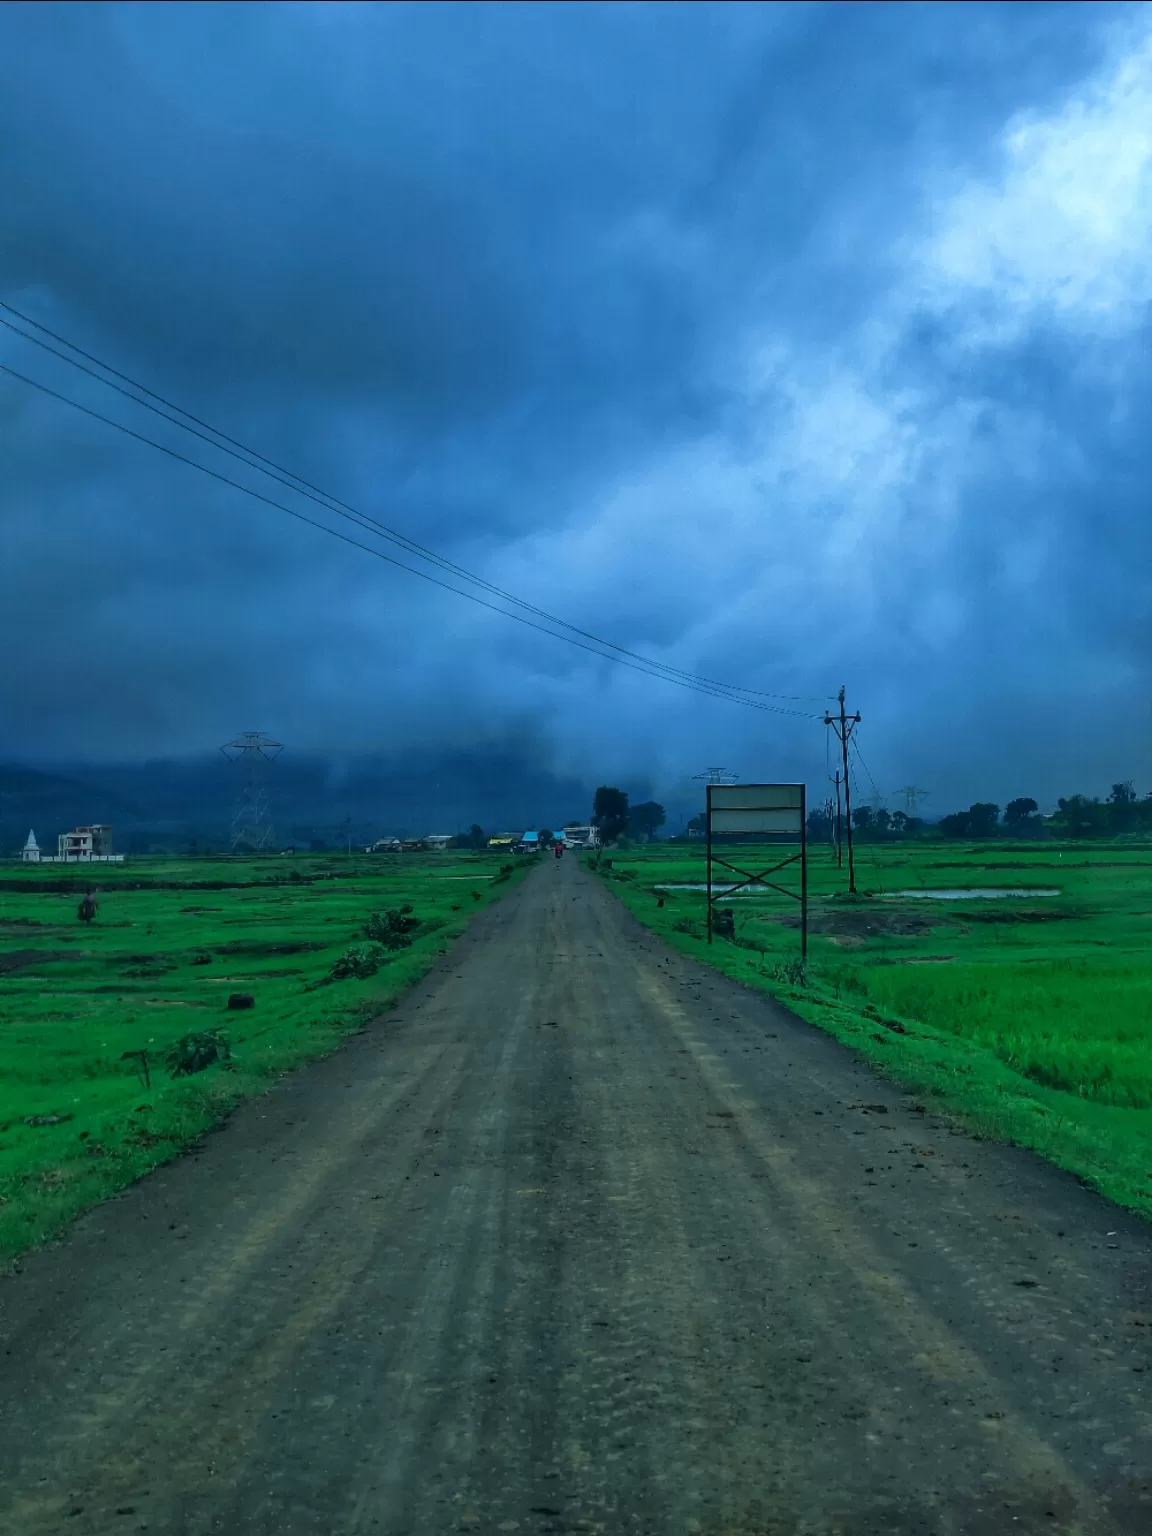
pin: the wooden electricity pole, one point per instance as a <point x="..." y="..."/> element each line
<point x="842" y="724"/>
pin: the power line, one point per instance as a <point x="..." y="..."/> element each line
<point x="868" y="771"/>
<point x="649" y="669"/>
<point x="296" y="483"/>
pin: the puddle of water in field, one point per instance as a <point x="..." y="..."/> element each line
<point x="987" y="893"/>
<point x="719" y="890"/>
<point x="983" y="893"/>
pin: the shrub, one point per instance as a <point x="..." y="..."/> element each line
<point x="793" y="973"/>
<point x="392" y="928"/>
<point x="194" y="1052"/>
<point x="360" y="961"/>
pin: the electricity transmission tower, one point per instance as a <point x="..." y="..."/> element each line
<point x="912" y="797"/>
<point x="251" y="824"/>
<point x="717" y="776"/>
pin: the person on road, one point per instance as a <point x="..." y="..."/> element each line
<point x="559" y="850"/>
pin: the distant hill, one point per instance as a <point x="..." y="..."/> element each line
<point x="170" y="804"/>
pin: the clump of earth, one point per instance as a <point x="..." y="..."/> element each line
<point x="858" y="923"/>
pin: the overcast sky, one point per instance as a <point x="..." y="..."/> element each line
<point x="791" y="346"/>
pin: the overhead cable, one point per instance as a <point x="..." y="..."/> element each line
<point x="641" y="664"/>
<point x="296" y="483"/>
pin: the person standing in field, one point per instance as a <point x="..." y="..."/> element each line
<point x="86" y="911"/>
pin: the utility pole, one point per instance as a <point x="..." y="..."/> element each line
<point x="839" y="841"/>
<point x="843" y="724"/>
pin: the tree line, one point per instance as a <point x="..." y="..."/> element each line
<point x="1119" y="813"/>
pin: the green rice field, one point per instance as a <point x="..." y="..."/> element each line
<point x="89" y="1014"/>
<point x="1029" y="1015"/>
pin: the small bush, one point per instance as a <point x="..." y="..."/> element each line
<point x="359" y="961"/>
<point x="194" y="1052"/>
<point x="686" y="925"/>
<point x="794" y="973"/>
<point x="506" y="873"/>
<point x="393" y="928"/>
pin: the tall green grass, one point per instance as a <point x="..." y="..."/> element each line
<point x="1029" y="1017"/>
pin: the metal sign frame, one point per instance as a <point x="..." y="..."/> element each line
<point x="768" y="810"/>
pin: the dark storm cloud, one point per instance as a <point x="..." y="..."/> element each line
<point x="713" y="328"/>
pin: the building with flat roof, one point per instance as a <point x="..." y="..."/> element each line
<point x="83" y="845"/>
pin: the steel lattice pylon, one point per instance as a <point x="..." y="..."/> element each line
<point x="717" y="776"/>
<point x="251" y="824"/>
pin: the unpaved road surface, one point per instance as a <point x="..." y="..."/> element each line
<point x="583" y="1237"/>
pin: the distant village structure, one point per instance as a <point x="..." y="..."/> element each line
<point x="84" y="845"/>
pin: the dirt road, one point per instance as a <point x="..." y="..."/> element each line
<point x="583" y="1238"/>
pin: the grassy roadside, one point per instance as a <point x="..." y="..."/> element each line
<point x="1027" y="1017"/>
<point x="80" y="1118"/>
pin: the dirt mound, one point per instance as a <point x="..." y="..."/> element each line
<point x="241" y="947"/>
<point x="863" y="923"/>
<point x="18" y="959"/>
<point x="1023" y="914"/>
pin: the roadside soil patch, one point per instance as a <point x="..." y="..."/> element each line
<point x="860" y="923"/>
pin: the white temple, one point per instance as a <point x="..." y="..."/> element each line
<point x="31" y="854"/>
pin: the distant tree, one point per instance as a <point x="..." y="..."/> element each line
<point x="1079" y="816"/>
<point x="1123" y="808"/>
<point x="899" y="823"/>
<point x="547" y="836"/>
<point x="862" y="818"/>
<point x="979" y="820"/>
<point x="477" y="837"/>
<point x="698" y="823"/>
<point x="820" y="826"/>
<point x="1019" y="813"/>
<point x="645" y="819"/>
<point x="983" y="818"/>
<point x="609" y="813"/>
<point x="882" y="821"/>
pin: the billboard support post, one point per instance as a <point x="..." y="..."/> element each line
<point x="774" y="815"/>
<point x="804" y="873"/>
<point x="708" y="819"/>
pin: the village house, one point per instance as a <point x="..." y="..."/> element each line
<point x="83" y="845"/>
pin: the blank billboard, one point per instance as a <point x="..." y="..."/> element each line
<point x="756" y="808"/>
<point x="756" y="821"/>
